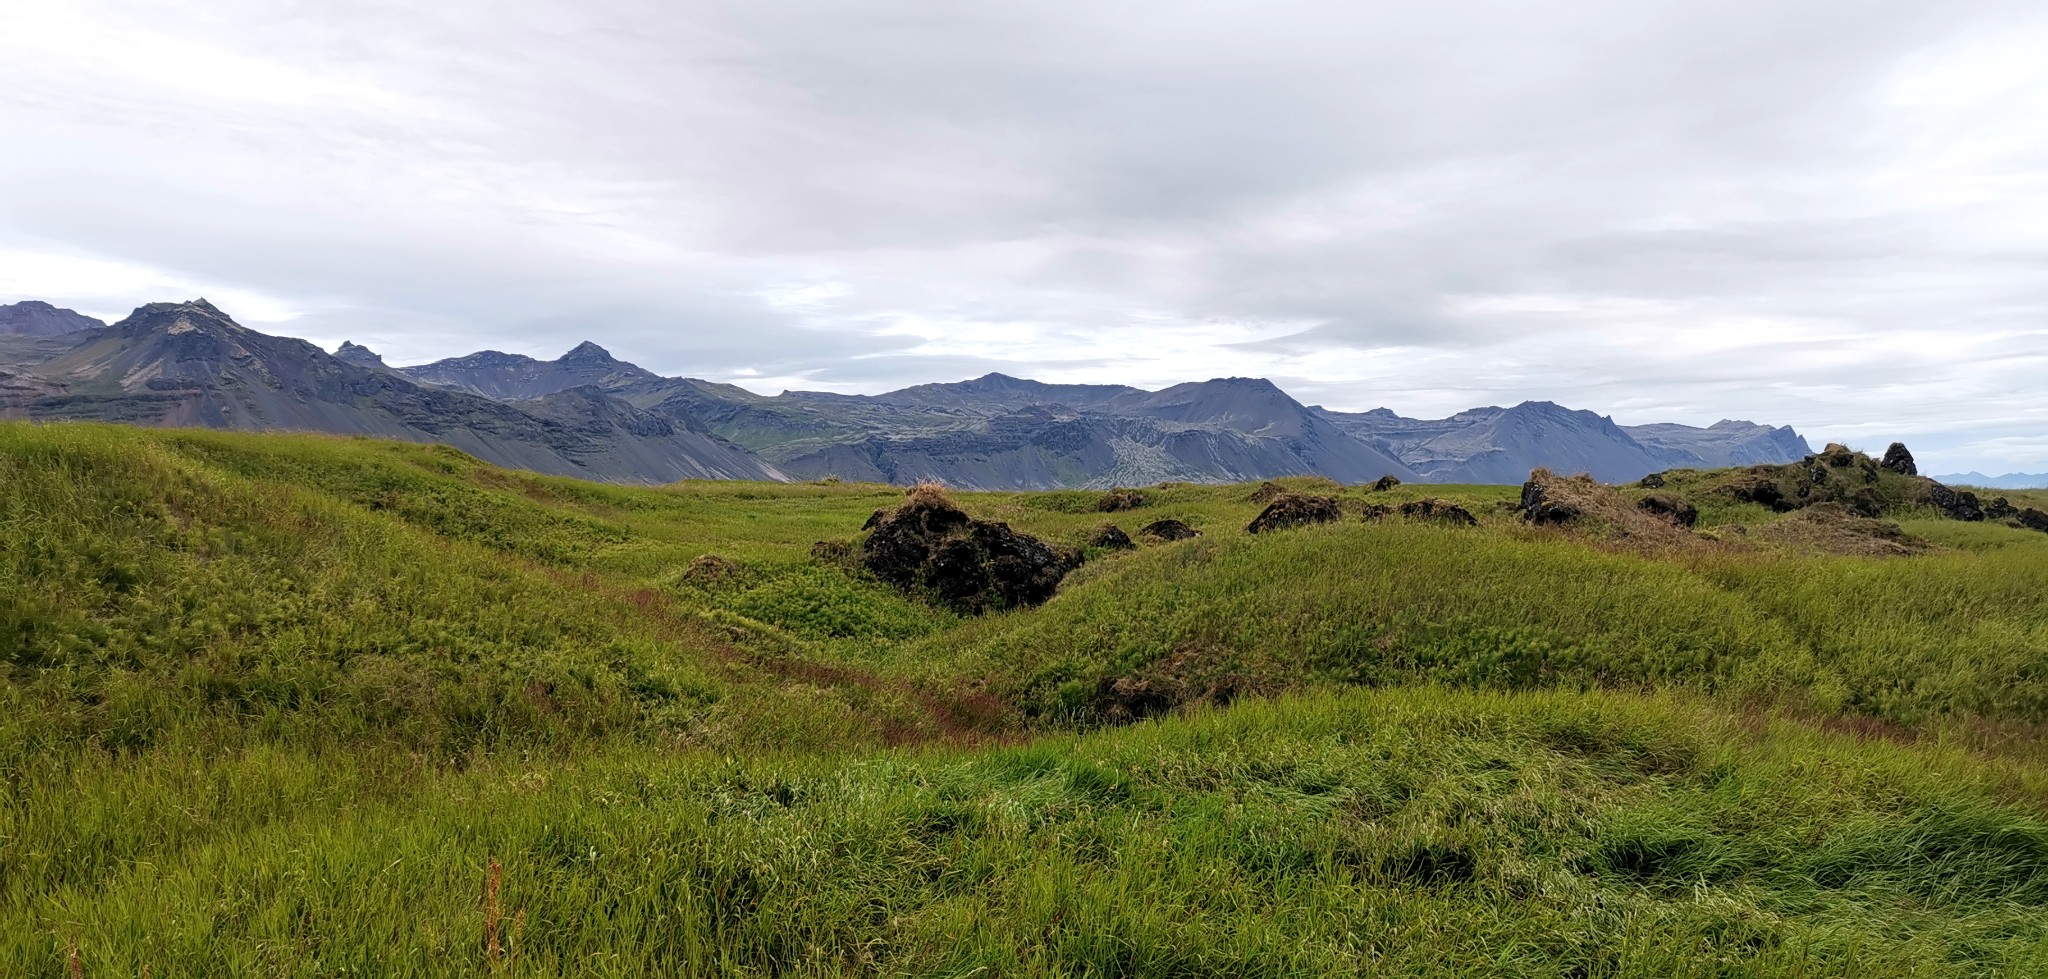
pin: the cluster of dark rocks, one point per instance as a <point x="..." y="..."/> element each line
<point x="929" y="546"/>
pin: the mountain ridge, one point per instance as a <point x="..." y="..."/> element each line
<point x="589" y="413"/>
<point x="189" y="364"/>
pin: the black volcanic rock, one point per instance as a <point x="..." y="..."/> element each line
<point x="1671" y="508"/>
<point x="1168" y="530"/>
<point x="1294" y="510"/>
<point x="1900" y="461"/>
<point x="35" y="318"/>
<point x="1111" y="537"/>
<point x="930" y="547"/>
<point x="1540" y="506"/>
<point x="1957" y="504"/>
<point x="1433" y="510"/>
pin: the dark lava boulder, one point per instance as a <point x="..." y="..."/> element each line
<point x="1267" y="492"/>
<point x="1119" y="499"/>
<point x="1294" y="510"/>
<point x="1759" y="489"/>
<point x="1958" y="504"/>
<point x="1439" y="511"/>
<point x="1652" y="481"/>
<point x="1168" y="530"/>
<point x="1669" y="507"/>
<point x="2000" y="508"/>
<point x="1110" y="537"/>
<point x="930" y="547"/>
<point x="1539" y="506"/>
<point x="1385" y="483"/>
<point x="1900" y="461"/>
<point x="2032" y="519"/>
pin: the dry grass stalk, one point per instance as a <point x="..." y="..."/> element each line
<point x="928" y="492"/>
<point x="493" y="913"/>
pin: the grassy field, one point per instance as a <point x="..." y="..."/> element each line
<point x="312" y="706"/>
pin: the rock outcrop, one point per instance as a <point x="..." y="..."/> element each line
<point x="1111" y="537"/>
<point x="1670" y="507"/>
<point x="932" y="548"/>
<point x="1899" y="460"/>
<point x="1434" y="510"/>
<point x="1295" y="510"/>
<point x="1167" y="531"/>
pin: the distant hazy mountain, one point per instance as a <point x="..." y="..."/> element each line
<point x="1501" y="445"/>
<point x="1726" y="443"/>
<point x="2007" y="481"/>
<point x="590" y="414"/>
<point x="34" y="318"/>
<point x="189" y="364"/>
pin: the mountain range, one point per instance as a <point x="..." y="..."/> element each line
<point x="591" y="415"/>
<point x="2007" y="481"/>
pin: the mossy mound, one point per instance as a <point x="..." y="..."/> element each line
<point x="1168" y="530"/>
<point x="1118" y="500"/>
<point x="1295" y="510"/>
<point x="1434" y="510"/>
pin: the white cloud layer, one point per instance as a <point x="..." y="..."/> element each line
<point x="1832" y="213"/>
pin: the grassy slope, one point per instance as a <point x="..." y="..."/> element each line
<point x="273" y="703"/>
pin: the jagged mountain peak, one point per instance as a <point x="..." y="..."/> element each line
<point x="588" y="352"/>
<point x="351" y="352"/>
<point x="195" y="315"/>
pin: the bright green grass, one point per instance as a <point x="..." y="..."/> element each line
<point x="271" y="704"/>
<point x="1392" y="833"/>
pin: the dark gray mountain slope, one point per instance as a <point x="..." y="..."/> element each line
<point x="997" y="432"/>
<point x="1726" y="443"/>
<point x="514" y="376"/>
<point x="189" y="364"/>
<point x="1001" y="392"/>
<point x="35" y="318"/>
<point x="1045" y="447"/>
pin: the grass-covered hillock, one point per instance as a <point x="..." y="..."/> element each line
<point x="276" y="705"/>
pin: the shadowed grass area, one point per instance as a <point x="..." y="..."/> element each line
<point x="274" y="704"/>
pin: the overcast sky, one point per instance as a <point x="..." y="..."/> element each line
<point x="1827" y="213"/>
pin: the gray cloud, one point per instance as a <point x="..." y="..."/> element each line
<point x="1822" y="212"/>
